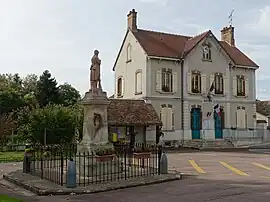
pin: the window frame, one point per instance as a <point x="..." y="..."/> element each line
<point x="240" y="85"/>
<point x="129" y="49"/>
<point x="167" y="80"/>
<point x="136" y="90"/>
<point x="119" y="90"/>
<point x="196" y="75"/>
<point x="220" y="84"/>
<point x="207" y="56"/>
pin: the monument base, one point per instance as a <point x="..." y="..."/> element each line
<point x="91" y="166"/>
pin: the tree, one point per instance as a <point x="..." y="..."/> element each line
<point x="47" y="90"/>
<point x="30" y="83"/>
<point x="68" y="95"/>
<point x="7" y="126"/>
<point x="54" y="123"/>
<point x="10" y="100"/>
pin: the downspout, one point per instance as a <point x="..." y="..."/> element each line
<point x="182" y="97"/>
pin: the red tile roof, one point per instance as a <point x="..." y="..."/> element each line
<point x="132" y="112"/>
<point x="175" y="46"/>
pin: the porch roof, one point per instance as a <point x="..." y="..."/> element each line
<point x="132" y="112"/>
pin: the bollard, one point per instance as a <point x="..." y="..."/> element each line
<point x="71" y="174"/>
<point x="163" y="164"/>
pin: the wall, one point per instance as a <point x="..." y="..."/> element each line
<point x="220" y="63"/>
<point x="128" y="69"/>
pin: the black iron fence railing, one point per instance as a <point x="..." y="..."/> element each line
<point x="101" y="165"/>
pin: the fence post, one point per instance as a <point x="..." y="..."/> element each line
<point x="71" y="174"/>
<point x="159" y="153"/>
<point x="62" y="168"/>
<point x="164" y="164"/>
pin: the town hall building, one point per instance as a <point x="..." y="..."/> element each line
<point x="185" y="78"/>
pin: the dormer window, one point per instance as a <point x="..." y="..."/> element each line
<point x="129" y="53"/>
<point x="206" y="53"/>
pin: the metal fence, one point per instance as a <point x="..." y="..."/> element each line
<point x="121" y="163"/>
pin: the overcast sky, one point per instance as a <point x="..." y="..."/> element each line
<point x="60" y="35"/>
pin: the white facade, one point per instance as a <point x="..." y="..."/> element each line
<point x="175" y="87"/>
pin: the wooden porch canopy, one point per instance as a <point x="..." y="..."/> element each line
<point x="124" y="112"/>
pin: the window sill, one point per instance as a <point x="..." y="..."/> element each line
<point x="240" y="96"/>
<point x="219" y="95"/>
<point x="168" y="93"/>
<point x="137" y="93"/>
<point x="205" y="60"/>
<point x="195" y="93"/>
<point x="128" y="61"/>
<point x="119" y="96"/>
<point x="168" y="130"/>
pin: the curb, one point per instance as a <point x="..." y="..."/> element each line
<point x="42" y="192"/>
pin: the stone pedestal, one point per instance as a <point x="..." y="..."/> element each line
<point x="95" y="124"/>
<point x="95" y="137"/>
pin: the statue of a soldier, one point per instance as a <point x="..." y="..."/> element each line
<point x="95" y="72"/>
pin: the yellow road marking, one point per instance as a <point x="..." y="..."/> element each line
<point x="196" y="167"/>
<point x="235" y="170"/>
<point x="261" y="166"/>
<point x="266" y="177"/>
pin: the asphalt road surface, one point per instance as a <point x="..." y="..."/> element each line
<point x="216" y="177"/>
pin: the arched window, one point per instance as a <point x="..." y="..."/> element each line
<point x="196" y="82"/>
<point x="241" y="91"/>
<point x="218" y="83"/>
<point x="120" y="86"/>
<point x="129" y="48"/>
<point x="138" y="82"/>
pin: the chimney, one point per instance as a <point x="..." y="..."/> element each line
<point x="132" y="20"/>
<point x="227" y="34"/>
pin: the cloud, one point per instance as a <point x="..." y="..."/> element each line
<point x="262" y="24"/>
<point x="159" y="2"/>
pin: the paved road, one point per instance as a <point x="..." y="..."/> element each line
<point x="223" y="166"/>
<point x="218" y="177"/>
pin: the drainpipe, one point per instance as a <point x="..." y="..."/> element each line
<point x="182" y="96"/>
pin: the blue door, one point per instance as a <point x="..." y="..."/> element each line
<point x="195" y="123"/>
<point x="218" y="125"/>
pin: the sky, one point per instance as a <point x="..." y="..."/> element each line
<point x="61" y="35"/>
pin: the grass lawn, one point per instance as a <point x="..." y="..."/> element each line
<point x="6" y="157"/>
<point x="4" y="198"/>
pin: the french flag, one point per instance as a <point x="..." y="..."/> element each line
<point x="217" y="109"/>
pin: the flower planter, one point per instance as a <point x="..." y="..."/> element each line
<point x="142" y="155"/>
<point x="28" y="154"/>
<point x="105" y="158"/>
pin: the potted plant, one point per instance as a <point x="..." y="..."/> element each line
<point x="105" y="154"/>
<point x="46" y="155"/>
<point x="142" y="152"/>
<point x="29" y="152"/>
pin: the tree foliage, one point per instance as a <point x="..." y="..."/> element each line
<point x="52" y="124"/>
<point x="29" y="105"/>
<point x="47" y="90"/>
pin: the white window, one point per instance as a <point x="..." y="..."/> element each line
<point x="241" y="117"/>
<point x="218" y="83"/>
<point x="167" y="117"/>
<point x="196" y="82"/>
<point x="167" y="79"/>
<point x="120" y="86"/>
<point x="129" y="48"/>
<point x="138" y="82"/>
<point x="206" y="53"/>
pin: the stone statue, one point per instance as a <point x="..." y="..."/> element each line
<point x="95" y="72"/>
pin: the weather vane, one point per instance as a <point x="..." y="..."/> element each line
<point x="231" y="17"/>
